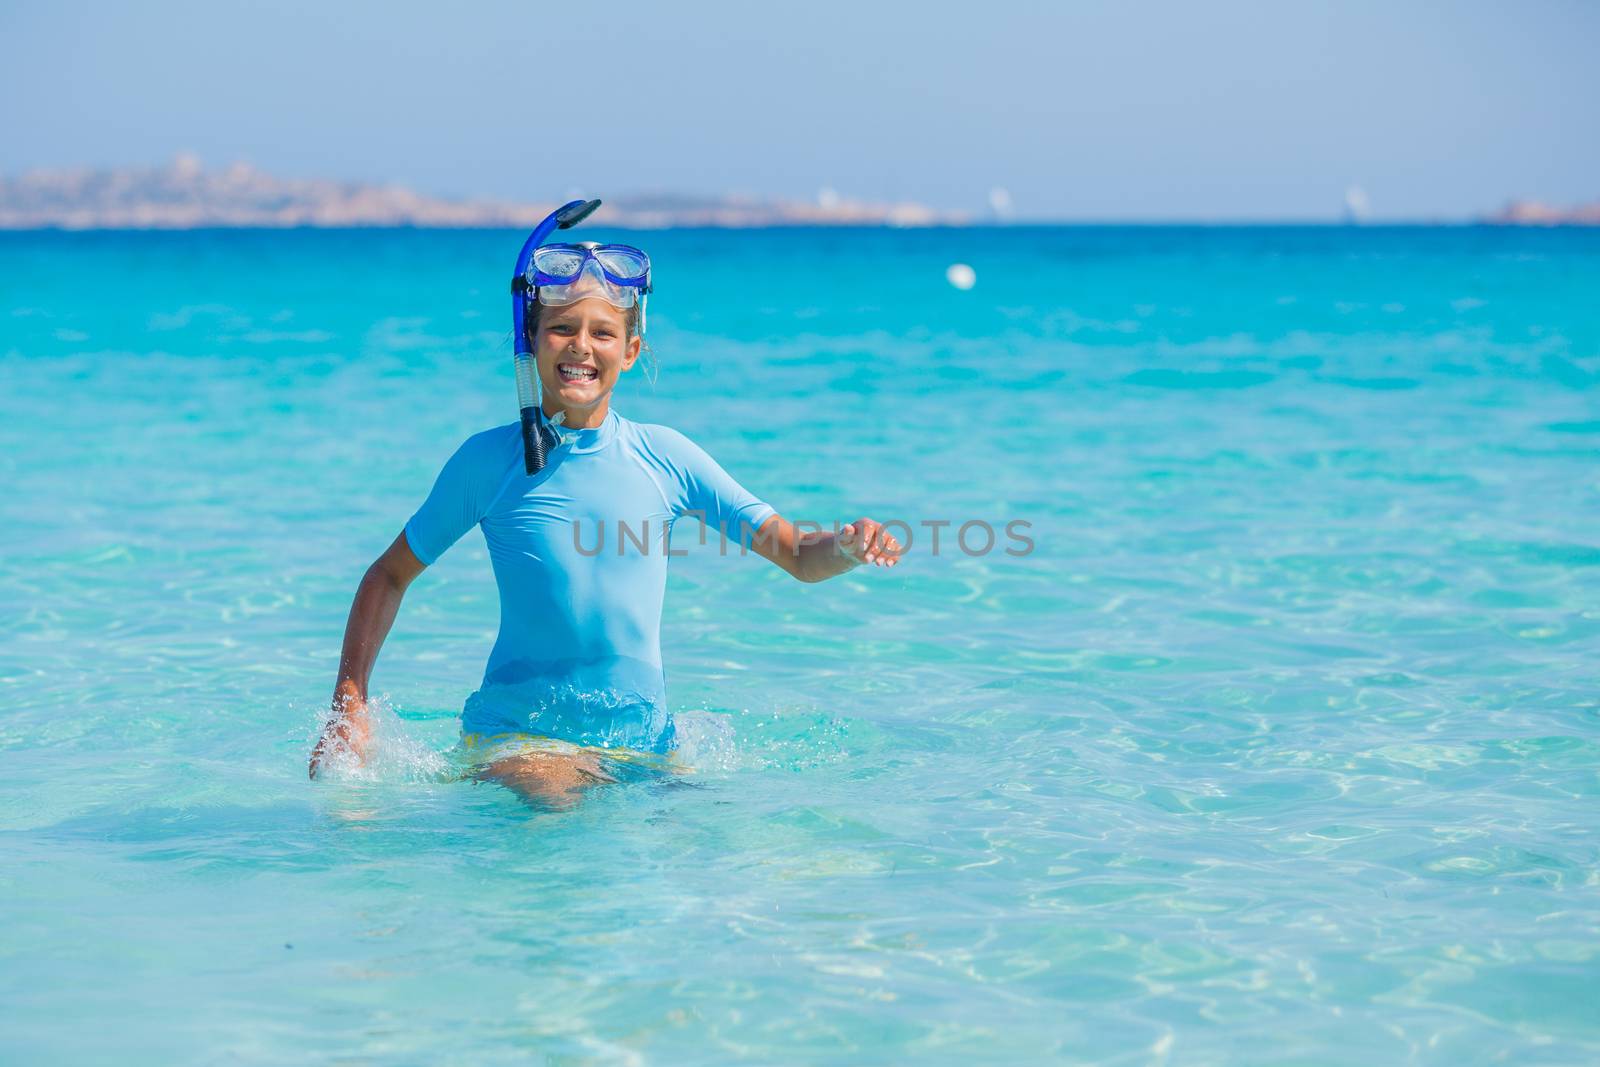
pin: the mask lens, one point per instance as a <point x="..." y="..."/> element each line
<point x="557" y="262"/>
<point x="626" y="263"/>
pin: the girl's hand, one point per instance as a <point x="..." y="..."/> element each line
<point x="348" y="730"/>
<point x="866" y="541"/>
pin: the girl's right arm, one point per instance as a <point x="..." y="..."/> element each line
<point x="371" y="615"/>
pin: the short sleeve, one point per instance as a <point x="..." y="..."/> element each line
<point x="460" y="497"/>
<point x="705" y="489"/>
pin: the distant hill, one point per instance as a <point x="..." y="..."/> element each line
<point x="1533" y="213"/>
<point x="185" y="195"/>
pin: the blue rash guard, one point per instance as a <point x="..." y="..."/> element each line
<point x="578" y="656"/>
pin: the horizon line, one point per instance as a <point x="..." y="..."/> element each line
<point x="1064" y="222"/>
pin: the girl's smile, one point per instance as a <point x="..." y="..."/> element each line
<point x="574" y="372"/>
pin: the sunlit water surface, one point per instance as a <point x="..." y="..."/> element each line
<point x="1280" y="746"/>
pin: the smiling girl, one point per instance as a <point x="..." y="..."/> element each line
<point x="574" y="681"/>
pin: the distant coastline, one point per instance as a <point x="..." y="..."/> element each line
<point x="1533" y="213"/>
<point x="185" y="195"/>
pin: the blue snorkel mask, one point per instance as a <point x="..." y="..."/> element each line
<point x="556" y="275"/>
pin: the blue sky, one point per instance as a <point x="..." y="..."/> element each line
<point x="1096" y="111"/>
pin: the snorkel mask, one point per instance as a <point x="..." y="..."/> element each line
<point x="556" y="275"/>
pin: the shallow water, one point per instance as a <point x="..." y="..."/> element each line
<point x="1279" y="746"/>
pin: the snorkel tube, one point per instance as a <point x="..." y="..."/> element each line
<point x="534" y="442"/>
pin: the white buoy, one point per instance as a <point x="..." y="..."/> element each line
<point x="961" y="276"/>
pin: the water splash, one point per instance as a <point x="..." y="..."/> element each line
<point x="777" y="738"/>
<point x="706" y="742"/>
<point x="392" y="754"/>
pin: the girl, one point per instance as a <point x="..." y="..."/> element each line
<point x="575" y="504"/>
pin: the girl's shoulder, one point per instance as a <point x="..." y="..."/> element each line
<point x="480" y="461"/>
<point x="496" y="436"/>
<point x="493" y="446"/>
<point x="650" y="433"/>
<point x="662" y="443"/>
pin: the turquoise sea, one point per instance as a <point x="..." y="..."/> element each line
<point x="1281" y="746"/>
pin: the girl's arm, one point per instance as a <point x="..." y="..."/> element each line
<point x="372" y="613"/>
<point x="815" y="556"/>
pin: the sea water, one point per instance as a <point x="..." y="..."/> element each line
<point x="1276" y="742"/>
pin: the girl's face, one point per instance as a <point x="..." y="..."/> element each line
<point x="582" y="350"/>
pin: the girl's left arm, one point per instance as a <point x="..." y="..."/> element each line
<point x="817" y="555"/>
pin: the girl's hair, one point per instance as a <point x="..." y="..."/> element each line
<point x="630" y="319"/>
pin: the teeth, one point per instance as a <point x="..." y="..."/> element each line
<point x="576" y="374"/>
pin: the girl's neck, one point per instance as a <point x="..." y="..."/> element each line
<point x="580" y="418"/>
